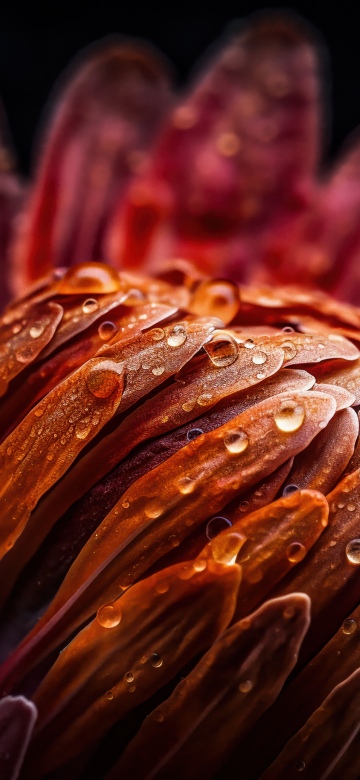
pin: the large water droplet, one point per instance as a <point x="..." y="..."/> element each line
<point x="236" y="441"/>
<point x="289" y="350"/>
<point x="216" y="525"/>
<point x="89" y="278"/>
<point x="353" y="551"/>
<point x="349" y="626"/>
<point x="296" y="552"/>
<point x="290" y="416"/>
<point x="107" y="330"/>
<point x="249" y="344"/>
<point x="222" y="350"/>
<point x="156" y="660"/>
<point x="109" y="615"/>
<point x="259" y="358"/>
<point x="37" y="330"/>
<point x="193" y="433"/>
<point x="104" y="378"/>
<point x="90" y="306"/>
<point x="177" y="336"/>
<point x="225" y="547"/>
<point x="129" y="677"/>
<point x="186" y="485"/>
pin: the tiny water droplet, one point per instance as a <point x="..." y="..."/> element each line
<point x="204" y="399"/>
<point x="290" y="416"/>
<point x="125" y="504"/>
<point x="353" y="551"/>
<point x="287" y="329"/>
<point x="349" y="626"/>
<point x="153" y="509"/>
<point x="236" y="441"/>
<point x="162" y="587"/>
<point x="37" y="330"/>
<point x="109" y="615"/>
<point x="225" y="548"/>
<point x="157" y="334"/>
<point x="351" y="507"/>
<point x="109" y="695"/>
<point x="200" y="564"/>
<point x="177" y="336"/>
<point x="289" y="350"/>
<point x="188" y="406"/>
<point x="249" y="344"/>
<point x="24" y="353"/>
<point x="259" y="358"/>
<point x="107" y="330"/>
<point x="245" y="686"/>
<point x="300" y="766"/>
<point x="296" y="552"/>
<point x="288" y="489"/>
<point x="82" y="431"/>
<point x="90" y="306"/>
<point x="39" y="412"/>
<point x="186" y="485"/>
<point x="194" y="433"/>
<point x="129" y="677"/>
<point x="158" y="370"/>
<point x="156" y="660"/>
<point x="216" y="525"/>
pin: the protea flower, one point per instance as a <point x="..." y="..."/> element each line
<point x="180" y="533"/>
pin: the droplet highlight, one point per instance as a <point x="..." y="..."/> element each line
<point x="236" y="441"/>
<point x="290" y="416"/>
<point x="109" y="615"/>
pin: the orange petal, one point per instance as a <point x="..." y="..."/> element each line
<point x="192" y="732"/>
<point x="131" y="650"/>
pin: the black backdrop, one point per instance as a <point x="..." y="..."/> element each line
<point x="36" y="45"/>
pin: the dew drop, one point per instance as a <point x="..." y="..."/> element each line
<point x="104" y="378"/>
<point x="132" y="688"/>
<point x="186" y="485"/>
<point x="353" y="551"/>
<point x="109" y="695"/>
<point x="159" y="717"/>
<point x="193" y="433"/>
<point x="225" y="548"/>
<point x="89" y="278"/>
<point x="162" y="587"/>
<point x="216" y="299"/>
<point x="245" y="686"/>
<point x="82" y="431"/>
<point x="289" y="350"/>
<point x="204" y="399"/>
<point x="153" y="510"/>
<point x="125" y="504"/>
<point x="16" y="329"/>
<point x="109" y="615"/>
<point x="222" y="350"/>
<point x="296" y="552"/>
<point x="24" y="353"/>
<point x="236" y="441"/>
<point x="129" y="677"/>
<point x="157" y="334"/>
<point x="351" y="507"/>
<point x="216" y="525"/>
<point x="107" y="330"/>
<point x="244" y="506"/>
<point x="288" y="489"/>
<point x="249" y="344"/>
<point x="300" y="766"/>
<point x="156" y="660"/>
<point x="287" y="329"/>
<point x="39" y="412"/>
<point x="259" y="358"/>
<point x="158" y="370"/>
<point x="200" y="564"/>
<point x="177" y="336"/>
<point x="288" y="613"/>
<point x="289" y="416"/>
<point x="349" y="626"/>
<point x="37" y="330"/>
<point x="90" y="306"/>
<point x="188" y="406"/>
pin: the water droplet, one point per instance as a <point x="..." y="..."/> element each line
<point x="109" y="695"/>
<point x="153" y="510"/>
<point x="16" y="329"/>
<point x="39" y="412"/>
<point x="351" y="507"/>
<point x="300" y="766"/>
<point x="125" y="504"/>
<point x="249" y="344"/>
<point x="158" y="370"/>
<point x="37" y="330"/>
<point x="90" y="306"/>
<point x="104" y="378"/>
<point x="157" y="334"/>
<point x="177" y="336"/>
<point x="289" y="416"/>
<point x="82" y="430"/>
<point x="236" y="441"/>
<point x="194" y="433"/>
<point x="188" y="406"/>
<point x="288" y="613"/>
<point x="216" y="299"/>
<point x="349" y="626"/>
<point x="204" y="399"/>
<point x="288" y="489"/>
<point x="132" y="688"/>
<point x="129" y="677"/>
<point x="186" y="485"/>
<point x="107" y="330"/>
<point x="287" y="329"/>
<point x="289" y="350"/>
<point x="159" y="716"/>
<point x="89" y="278"/>
<point x="24" y="354"/>
<point x="244" y="506"/>
<point x="259" y="358"/>
<point x="156" y="660"/>
<point x="222" y="350"/>
<point x="109" y="615"/>
<point x="225" y="547"/>
<point x="353" y="551"/>
<point x="296" y="552"/>
<point x="162" y="587"/>
<point x="200" y="564"/>
<point x="245" y="686"/>
<point x="216" y="525"/>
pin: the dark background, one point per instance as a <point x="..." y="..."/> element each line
<point x="36" y="45"/>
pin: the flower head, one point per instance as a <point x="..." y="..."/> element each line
<point x="180" y="468"/>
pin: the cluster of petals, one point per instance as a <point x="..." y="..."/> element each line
<point x="180" y="462"/>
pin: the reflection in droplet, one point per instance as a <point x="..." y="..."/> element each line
<point x="107" y="330"/>
<point x="236" y="441"/>
<point x="104" y="378"/>
<point x="288" y="489"/>
<point x="37" y="330"/>
<point x="177" y="336"/>
<point x="289" y="350"/>
<point x="353" y="551"/>
<point x="156" y="660"/>
<point x="129" y="677"/>
<point x="245" y="686"/>
<point x="290" y="416"/>
<point x="225" y="547"/>
<point x="186" y="485"/>
<point x="194" y="433"/>
<point x="349" y="626"/>
<point x="216" y="525"/>
<point x="109" y="615"/>
<point x="90" y="305"/>
<point x="296" y="552"/>
<point x="222" y="350"/>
